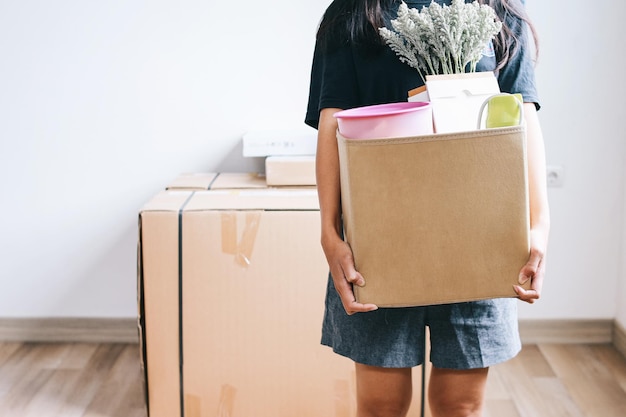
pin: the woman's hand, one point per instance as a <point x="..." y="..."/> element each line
<point x="534" y="270"/>
<point x="345" y="276"/>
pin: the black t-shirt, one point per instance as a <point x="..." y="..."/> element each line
<point x="349" y="77"/>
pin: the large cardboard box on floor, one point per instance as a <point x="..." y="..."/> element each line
<point x="231" y="299"/>
<point x="439" y="218"/>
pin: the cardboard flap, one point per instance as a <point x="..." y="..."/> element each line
<point x="255" y="199"/>
<point x="192" y="181"/>
<point x="237" y="180"/>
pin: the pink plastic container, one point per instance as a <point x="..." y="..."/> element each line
<point x="382" y="121"/>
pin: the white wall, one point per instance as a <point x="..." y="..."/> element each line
<point x="102" y="103"/>
<point x="580" y="82"/>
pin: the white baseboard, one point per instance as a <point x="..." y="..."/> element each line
<point x="566" y="331"/>
<point x="124" y="330"/>
<point x="89" y="330"/>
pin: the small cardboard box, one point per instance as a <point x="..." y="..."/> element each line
<point x="436" y="219"/>
<point x="290" y="170"/>
<point x="231" y="298"/>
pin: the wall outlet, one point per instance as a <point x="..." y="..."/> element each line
<point x="554" y="175"/>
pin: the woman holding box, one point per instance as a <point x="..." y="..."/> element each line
<point x="353" y="67"/>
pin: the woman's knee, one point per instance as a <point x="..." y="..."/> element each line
<point x="453" y="393"/>
<point x="383" y="392"/>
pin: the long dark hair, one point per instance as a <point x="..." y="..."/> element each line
<point x="511" y="13"/>
<point x="353" y="21"/>
<point x="357" y="22"/>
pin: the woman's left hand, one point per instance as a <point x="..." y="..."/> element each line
<point x="534" y="270"/>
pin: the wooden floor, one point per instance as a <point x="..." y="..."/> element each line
<point x="549" y="380"/>
<point x="104" y="380"/>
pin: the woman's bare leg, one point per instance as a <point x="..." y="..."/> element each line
<point x="383" y="392"/>
<point x="453" y="393"/>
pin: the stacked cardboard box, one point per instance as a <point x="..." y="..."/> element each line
<point x="231" y="298"/>
<point x="290" y="170"/>
<point x="289" y="155"/>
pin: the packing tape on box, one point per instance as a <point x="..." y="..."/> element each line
<point x="232" y="244"/>
<point x="226" y="405"/>
<point x="229" y="232"/>
<point x="227" y="401"/>
<point x="193" y="406"/>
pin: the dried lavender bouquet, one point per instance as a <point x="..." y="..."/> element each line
<point x="442" y="39"/>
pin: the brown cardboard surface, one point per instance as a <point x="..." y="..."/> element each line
<point x="290" y="170"/>
<point x="251" y="304"/>
<point x="439" y="218"/>
<point x="235" y="180"/>
<point x="199" y="181"/>
<point x="158" y="299"/>
<point x="192" y="181"/>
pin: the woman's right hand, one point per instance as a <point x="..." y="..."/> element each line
<point x="345" y="276"/>
<point x="338" y="253"/>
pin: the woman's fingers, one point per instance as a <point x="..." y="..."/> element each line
<point x="344" y="279"/>
<point x="529" y="296"/>
<point x="533" y="271"/>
